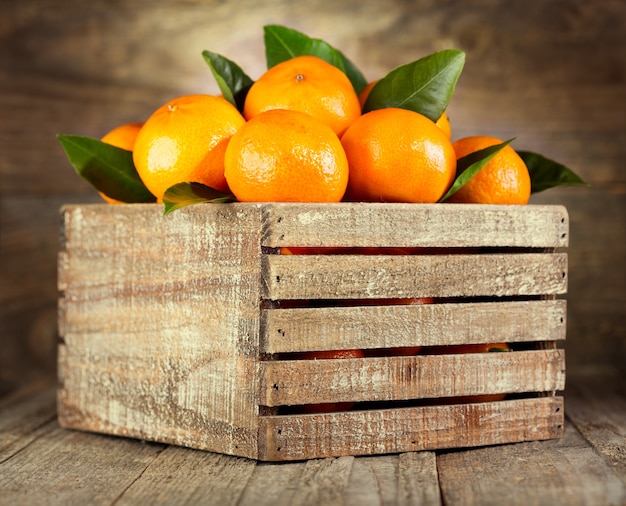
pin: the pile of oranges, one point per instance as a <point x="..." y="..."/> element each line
<point x="301" y="133"/>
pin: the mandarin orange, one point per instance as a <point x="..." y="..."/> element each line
<point x="185" y="140"/>
<point x="504" y="180"/>
<point x="286" y="156"/>
<point x="123" y="136"/>
<point x="307" y="84"/>
<point x="396" y="155"/>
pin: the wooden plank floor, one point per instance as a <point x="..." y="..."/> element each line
<point x="41" y="463"/>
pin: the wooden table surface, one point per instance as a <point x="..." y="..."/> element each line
<point x="42" y="463"/>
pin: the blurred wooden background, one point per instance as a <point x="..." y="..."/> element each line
<point x="553" y="74"/>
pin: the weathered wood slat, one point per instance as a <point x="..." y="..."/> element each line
<point x="418" y="482"/>
<point x="565" y="472"/>
<point x="320" y="481"/>
<point x="293" y="382"/>
<point x="375" y="481"/>
<point x="193" y="477"/>
<point x="273" y="485"/>
<point x="24" y="418"/>
<point x="349" y="224"/>
<point x="61" y="362"/>
<point x="71" y="467"/>
<point x="62" y="320"/>
<point x="596" y="404"/>
<point x="293" y="437"/>
<point x="308" y="329"/>
<point x="61" y="270"/>
<point x="400" y="276"/>
<point x="405" y="479"/>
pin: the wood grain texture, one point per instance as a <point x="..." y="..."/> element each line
<point x="77" y="470"/>
<point x="533" y="473"/>
<point x="452" y="225"/>
<point x="365" y="327"/>
<point x="161" y="324"/>
<point x="52" y="466"/>
<point x="376" y="480"/>
<point x="294" y="437"/>
<point x="292" y="382"/>
<point x="408" y="478"/>
<point x="417" y="471"/>
<point x="399" y="276"/>
<point x="194" y="477"/>
<point x="596" y="405"/>
<point x="25" y="417"/>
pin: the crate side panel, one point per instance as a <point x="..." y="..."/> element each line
<point x="166" y="389"/>
<point x="390" y="326"/>
<point x="425" y="225"/>
<point x="410" y="429"/>
<point x="161" y="319"/>
<point x="294" y="382"/>
<point x="137" y="256"/>
<point x="402" y="276"/>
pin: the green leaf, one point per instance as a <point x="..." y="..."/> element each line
<point x="187" y="194"/>
<point x="282" y="43"/>
<point x="546" y="173"/>
<point x="354" y="74"/>
<point x="108" y="169"/>
<point x="469" y="165"/>
<point x="233" y="82"/>
<point x="424" y="86"/>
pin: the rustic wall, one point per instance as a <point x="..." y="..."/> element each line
<point x="550" y="73"/>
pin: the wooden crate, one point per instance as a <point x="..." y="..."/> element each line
<point x="180" y="328"/>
